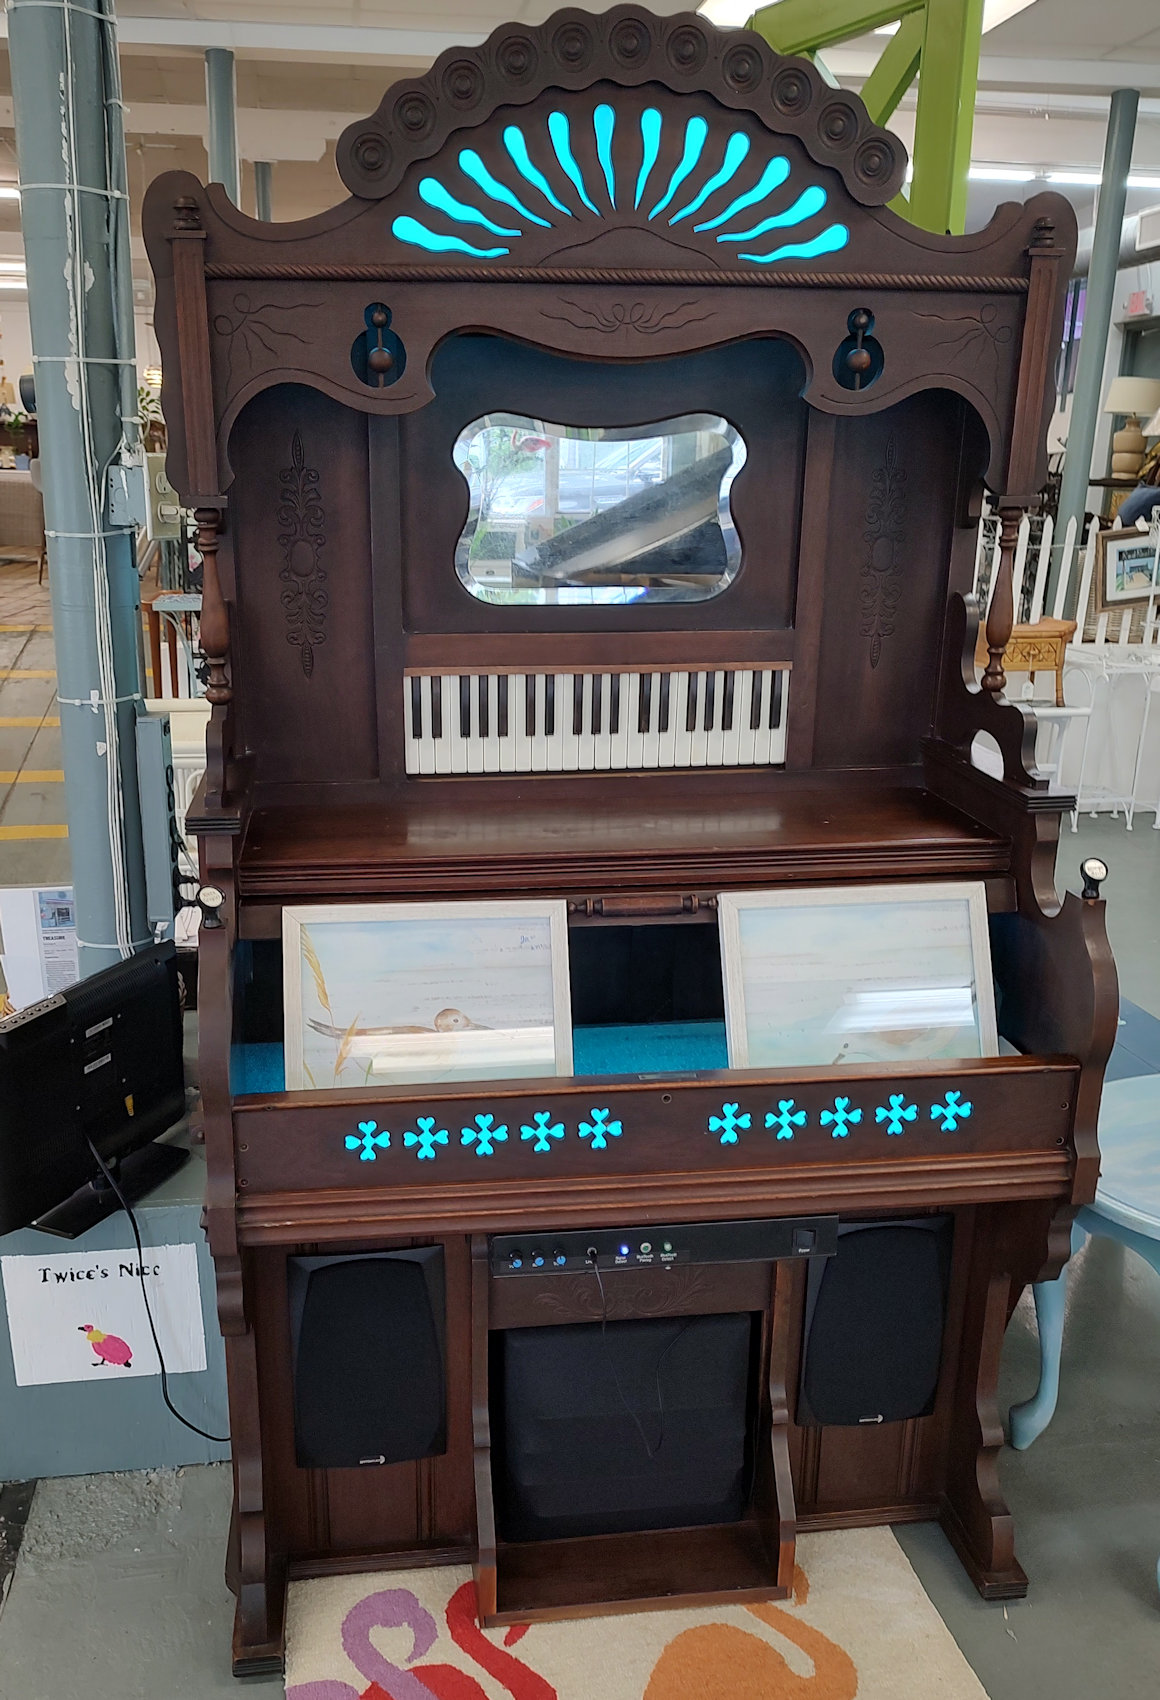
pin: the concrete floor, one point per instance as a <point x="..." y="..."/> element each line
<point x="118" y="1591"/>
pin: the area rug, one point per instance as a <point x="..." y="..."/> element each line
<point x="859" y="1628"/>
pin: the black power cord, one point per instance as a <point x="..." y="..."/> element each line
<point x="219" y="1439"/>
<point x="650" y="1451"/>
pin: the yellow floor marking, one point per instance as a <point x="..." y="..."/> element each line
<point x="34" y="776"/>
<point x="10" y="832"/>
<point x="27" y="673"/>
<point x="29" y="720"/>
<point x="4" y="628"/>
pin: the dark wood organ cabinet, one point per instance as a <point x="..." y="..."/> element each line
<point x="724" y="645"/>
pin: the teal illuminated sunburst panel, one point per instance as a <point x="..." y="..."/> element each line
<point x="673" y="175"/>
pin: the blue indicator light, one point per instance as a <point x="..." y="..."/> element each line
<point x="538" y="1260"/>
<point x="561" y="1260"/>
<point x="516" y="1260"/>
<point x="624" y="1250"/>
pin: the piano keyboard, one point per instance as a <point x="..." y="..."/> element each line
<point x="594" y="722"/>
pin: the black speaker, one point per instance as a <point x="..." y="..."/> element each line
<point x="875" y="1314"/>
<point x="644" y="1425"/>
<point x="368" y="1355"/>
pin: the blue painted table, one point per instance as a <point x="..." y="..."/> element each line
<point x="1126" y="1208"/>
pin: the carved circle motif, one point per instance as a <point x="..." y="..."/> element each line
<point x="415" y="114"/>
<point x="517" y="58"/>
<point x="463" y="83"/>
<point x="371" y="152"/>
<point x="630" y="42"/>
<point x="687" y="48"/>
<point x="791" y="92"/>
<point x="838" y="124"/>
<point x="874" y="161"/>
<point x="573" y="46"/>
<point x="742" y="68"/>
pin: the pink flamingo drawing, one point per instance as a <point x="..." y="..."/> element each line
<point x="110" y="1349"/>
<point x="398" y="1608"/>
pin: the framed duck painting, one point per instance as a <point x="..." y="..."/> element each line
<point x="390" y="994"/>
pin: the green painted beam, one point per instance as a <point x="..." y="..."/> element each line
<point x="944" y="122"/>
<point x="800" y="26"/>
<point x="895" y="70"/>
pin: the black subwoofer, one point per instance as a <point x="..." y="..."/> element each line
<point x="644" y="1425"/>
<point x="368" y="1352"/>
<point x="875" y="1314"/>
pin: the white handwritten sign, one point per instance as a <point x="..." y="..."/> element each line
<point x="80" y="1316"/>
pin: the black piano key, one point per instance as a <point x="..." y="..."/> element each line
<point x="501" y="706"/>
<point x="436" y="706"/>
<point x="597" y="701"/>
<point x="755" y="701"/>
<point x="645" y="703"/>
<point x="577" y="705"/>
<point x="727" y="702"/>
<point x="775" y="700"/>
<point x="710" y="700"/>
<point x="614" y="703"/>
<point x="465" y="705"/>
<point x="666" y="692"/>
<point x="530" y="705"/>
<point x="416" y="706"/>
<point x="549" y="705"/>
<point x="483" y="681"/>
<point x="691" y="704"/>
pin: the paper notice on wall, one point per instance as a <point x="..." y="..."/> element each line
<point x="80" y="1316"/>
<point x="38" y="944"/>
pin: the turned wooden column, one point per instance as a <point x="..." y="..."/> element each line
<point x="1001" y="612"/>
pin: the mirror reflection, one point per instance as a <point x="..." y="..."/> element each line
<point x="566" y="514"/>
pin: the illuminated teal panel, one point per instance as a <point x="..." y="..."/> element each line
<point x="650" y="140"/>
<point x="561" y="134"/>
<point x="410" y="230"/>
<point x="771" y="178"/>
<point x="514" y="142"/>
<point x="696" y="131"/>
<point x="809" y="202"/>
<point x="604" y="123"/>
<point x="435" y="195"/>
<point x="835" y="237"/>
<point x="472" y="166"/>
<point x="735" y="152"/>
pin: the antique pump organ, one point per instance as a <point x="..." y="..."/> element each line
<point x="722" y="646"/>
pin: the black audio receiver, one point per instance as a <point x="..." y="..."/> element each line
<point x="659" y="1246"/>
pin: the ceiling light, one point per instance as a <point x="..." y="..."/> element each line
<point x="1137" y="182"/>
<point x="12" y="266"/>
<point x="1001" y="174"/>
<point x="151" y="377"/>
<point x="9" y="192"/>
<point x="1075" y="179"/>
<point x="13" y="283"/>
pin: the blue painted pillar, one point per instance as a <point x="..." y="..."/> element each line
<point x="221" y="96"/>
<point x="75" y="216"/>
<point x="264" y="189"/>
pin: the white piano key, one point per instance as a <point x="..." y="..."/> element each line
<point x="474" y="740"/>
<point x="777" y="742"/>
<point x="521" y="743"/>
<point x="730" y="735"/>
<point x="513" y="685"/>
<point x="602" y="739"/>
<point x="632" y="750"/>
<point x="541" y="752"/>
<point x="489" y="701"/>
<point x="742" y="709"/>
<point x="561" y="701"/>
<point x="682" y="738"/>
<point x="426" y="740"/>
<point x="410" y="743"/>
<point x="666" y="725"/>
<point x="651" y="751"/>
<point x="445" y="743"/>
<point x="618" y="757"/>
<point x="697" y="737"/>
<point x="585" y="741"/>
<point x="714" y="731"/>
<point x="763" y="736"/>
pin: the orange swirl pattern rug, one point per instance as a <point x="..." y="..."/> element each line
<point x="859" y="1627"/>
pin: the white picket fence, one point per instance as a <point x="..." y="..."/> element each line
<point x="1104" y="745"/>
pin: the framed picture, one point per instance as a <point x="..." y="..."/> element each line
<point x="866" y="974"/>
<point x="401" y="993"/>
<point x="1127" y="563"/>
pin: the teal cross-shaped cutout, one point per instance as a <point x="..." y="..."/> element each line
<point x="728" y="1123"/>
<point x="786" y="1118"/>
<point x="896" y="1112"/>
<point x="600" y="1130"/>
<point x="950" y="1112"/>
<point x="842" y="1118"/>
<point x="368" y="1138"/>
<point x="483" y="1134"/>
<point x="544" y="1130"/>
<point x="426" y="1138"/>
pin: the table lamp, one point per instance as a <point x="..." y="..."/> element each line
<point x="1132" y="397"/>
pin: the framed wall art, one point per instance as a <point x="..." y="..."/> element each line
<point x="1127" y="566"/>
<point x="862" y="974"/>
<point x="398" y="993"/>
